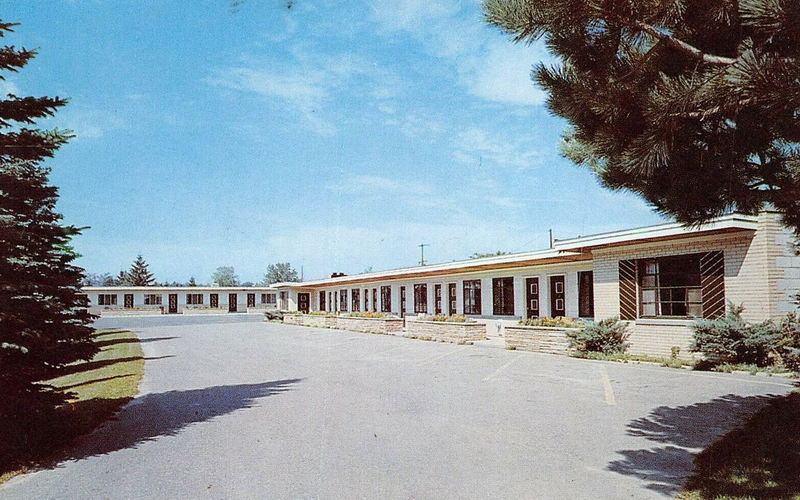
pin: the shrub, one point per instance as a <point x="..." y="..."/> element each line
<point x="731" y="340"/>
<point x="368" y="314"/>
<point x="317" y="313"/>
<point x="789" y="344"/>
<point x="458" y="318"/>
<point x="607" y="336"/>
<point x="558" y="322"/>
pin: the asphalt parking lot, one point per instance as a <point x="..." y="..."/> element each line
<point x="233" y="407"/>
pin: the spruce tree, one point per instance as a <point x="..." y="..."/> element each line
<point x="44" y="323"/>
<point x="191" y="282"/>
<point x="694" y="105"/>
<point x="139" y="274"/>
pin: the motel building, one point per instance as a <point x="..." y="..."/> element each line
<point x="658" y="278"/>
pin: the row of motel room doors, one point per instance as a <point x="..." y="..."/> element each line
<point x="233" y="301"/>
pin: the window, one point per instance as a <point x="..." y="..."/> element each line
<point x="586" y="294"/>
<point x="284" y="300"/>
<point x="322" y="301"/>
<point x="472" y="296"/>
<point x="402" y="301"/>
<point x="670" y="286"/>
<point x="152" y="299"/>
<point x="366" y="299"/>
<point x="421" y="298"/>
<point x="386" y="299"/>
<point x="331" y="302"/>
<point x="503" y="296"/>
<point x="194" y="298"/>
<point x="356" y="299"/>
<point x="107" y="299"/>
<point x="268" y="298"/>
<point x="374" y="300"/>
<point x="343" y="300"/>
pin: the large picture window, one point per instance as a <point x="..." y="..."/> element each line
<point x="421" y="298"/>
<point x="386" y="299"/>
<point x="194" y="298"/>
<point x="472" y="296"/>
<point x="670" y="286"/>
<point x="152" y="299"/>
<point x="269" y="298"/>
<point x="503" y="295"/>
<point x="343" y="300"/>
<point x="107" y="299"/>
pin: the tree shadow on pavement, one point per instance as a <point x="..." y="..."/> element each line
<point x="151" y="416"/>
<point x="106" y="343"/>
<point x="684" y="431"/>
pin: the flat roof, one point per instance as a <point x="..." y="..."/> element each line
<point x="178" y="288"/>
<point x="566" y="250"/>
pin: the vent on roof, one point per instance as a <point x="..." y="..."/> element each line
<point x="337" y="275"/>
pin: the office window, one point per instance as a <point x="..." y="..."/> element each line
<point x="107" y="299"/>
<point x="386" y="299"/>
<point x="194" y="298"/>
<point x="421" y="298"/>
<point x="343" y="300"/>
<point x="472" y="296"/>
<point x="670" y="286"/>
<point x="503" y="296"/>
<point x="152" y="299"/>
<point x="356" y="299"/>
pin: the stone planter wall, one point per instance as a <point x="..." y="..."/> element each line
<point x="204" y="310"/>
<point x="123" y="311"/>
<point x="313" y="320"/>
<point x="443" y="331"/>
<point x="369" y="325"/>
<point x="538" y="338"/>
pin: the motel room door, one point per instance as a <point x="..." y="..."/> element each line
<point x="173" y="303"/>
<point x="233" y="306"/>
<point x="302" y="302"/>
<point x="532" y="297"/>
<point x="128" y="300"/>
<point x="558" y="297"/>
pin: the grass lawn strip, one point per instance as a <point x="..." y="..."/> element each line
<point x="759" y="460"/>
<point x="101" y="386"/>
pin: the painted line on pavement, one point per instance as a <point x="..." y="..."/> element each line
<point x="608" y="391"/>
<point x="505" y="365"/>
<point x="440" y="356"/>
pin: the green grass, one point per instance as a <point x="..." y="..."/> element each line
<point x="101" y="387"/>
<point x="760" y="460"/>
<point x="633" y="358"/>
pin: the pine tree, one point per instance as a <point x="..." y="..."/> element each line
<point x="192" y="282"/>
<point x="44" y="323"/>
<point x="121" y="279"/>
<point x="691" y="104"/>
<point x="139" y="274"/>
<point x="282" y="272"/>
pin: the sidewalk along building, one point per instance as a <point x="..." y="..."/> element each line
<point x="143" y="300"/>
<point x="659" y="278"/>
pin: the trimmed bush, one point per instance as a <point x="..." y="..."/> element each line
<point x="732" y="340"/>
<point x="789" y="344"/>
<point x="557" y="322"/>
<point x="607" y="336"/>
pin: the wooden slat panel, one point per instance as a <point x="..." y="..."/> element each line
<point x="712" y="279"/>
<point x="627" y="290"/>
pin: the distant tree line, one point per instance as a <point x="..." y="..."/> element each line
<point x="139" y="275"/>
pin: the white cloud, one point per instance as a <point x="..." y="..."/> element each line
<point x="502" y="73"/>
<point x="476" y="147"/>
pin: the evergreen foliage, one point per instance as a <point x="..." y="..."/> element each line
<point x="694" y="105"/>
<point x="191" y="282"/>
<point x="607" y="336"/>
<point x="225" y="276"/>
<point x="789" y="345"/>
<point x="139" y="273"/>
<point x="44" y="323"/>
<point x="732" y="340"/>
<point x="279" y="273"/>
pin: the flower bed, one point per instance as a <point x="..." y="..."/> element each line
<point x="547" y="339"/>
<point x="457" y="332"/>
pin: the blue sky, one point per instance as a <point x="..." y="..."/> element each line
<point x="333" y="135"/>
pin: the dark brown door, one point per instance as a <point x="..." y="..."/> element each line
<point x="451" y="298"/>
<point x="437" y="298"/>
<point x="173" y="303"/>
<point x="214" y="298"/>
<point x="302" y="302"/>
<point x="251" y="300"/>
<point x="532" y="297"/>
<point x="129" y="300"/>
<point x="233" y="304"/>
<point x="402" y="302"/>
<point x="558" y="305"/>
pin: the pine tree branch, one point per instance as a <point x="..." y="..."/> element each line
<point x="716" y="110"/>
<point x="673" y="42"/>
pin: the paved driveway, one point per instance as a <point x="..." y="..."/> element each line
<point x="234" y="408"/>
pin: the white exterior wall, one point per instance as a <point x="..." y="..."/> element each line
<point x="139" y="295"/>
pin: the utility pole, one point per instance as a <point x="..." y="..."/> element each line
<point x="422" y="253"/>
